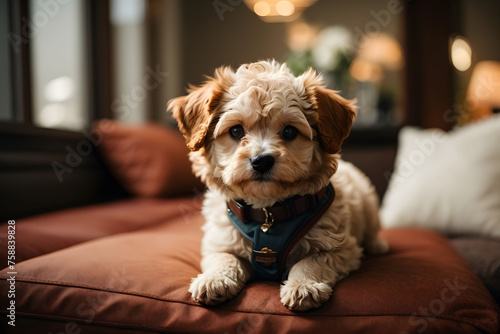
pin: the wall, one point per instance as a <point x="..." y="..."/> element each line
<point x="481" y="25"/>
<point x="241" y="36"/>
<point x="191" y="39"/>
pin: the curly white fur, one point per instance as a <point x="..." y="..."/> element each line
<point x="265" y="97"/>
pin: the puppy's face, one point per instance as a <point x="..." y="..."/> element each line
<point x="261" y="134"/>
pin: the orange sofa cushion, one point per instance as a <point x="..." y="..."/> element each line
<point x="49" y="232"/>
<point x="148" y="160"/>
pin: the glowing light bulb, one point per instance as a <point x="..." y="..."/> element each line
<point x="461" y="54"/>
<point x="285" y="8"/>
<point x="262" y="8"/>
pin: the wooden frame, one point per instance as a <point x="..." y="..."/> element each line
<point x="428" y="74"/>
<point x="20" y="62"/>
<point x="100" y="55"/>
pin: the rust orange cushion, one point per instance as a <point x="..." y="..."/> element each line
<point x="50" y="232"/>
<point x="148" y="160"/>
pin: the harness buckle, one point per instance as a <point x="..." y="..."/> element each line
<point x="265" y="256"/>
<point x="268" y="222"/>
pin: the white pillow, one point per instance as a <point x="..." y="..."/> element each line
<point x="448" y="182"/>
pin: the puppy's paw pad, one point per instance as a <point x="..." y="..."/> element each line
<point x="213" y="288"/>
<point x="304" y="295"/>
<point x="377" y="247"/>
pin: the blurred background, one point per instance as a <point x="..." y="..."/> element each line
<point x="67" y="63"/>
<point x="406" y="62"/>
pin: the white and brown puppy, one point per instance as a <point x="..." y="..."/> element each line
<point x="263" y="139"/>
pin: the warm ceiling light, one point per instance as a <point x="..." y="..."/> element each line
<point x="262" y="8"/>
<point x="278" y="10"/>
<point x="285" y="8"/>
<point x="461" y="54"/>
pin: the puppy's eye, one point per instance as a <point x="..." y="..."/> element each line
<point x="289" y="132"/>
<point x="237" y="132"/>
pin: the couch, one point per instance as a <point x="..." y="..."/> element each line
<point x="124" y="266"/>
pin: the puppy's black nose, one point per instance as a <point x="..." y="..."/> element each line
<point x="262" y="163"/>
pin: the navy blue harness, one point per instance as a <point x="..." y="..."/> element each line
<point x="274" y="231"/>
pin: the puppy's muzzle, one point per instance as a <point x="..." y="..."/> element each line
<point x="262" y="163"/>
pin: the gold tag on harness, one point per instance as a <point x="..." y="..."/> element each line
<point x="265" y="256"/>
<point x="269" y="221"/>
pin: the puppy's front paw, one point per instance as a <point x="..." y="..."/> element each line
<point x="303" y="295"/>
<point x="214" y="288"/>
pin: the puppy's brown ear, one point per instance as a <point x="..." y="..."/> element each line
<point x="336" y="115"/>
<point x="196" y="112"/>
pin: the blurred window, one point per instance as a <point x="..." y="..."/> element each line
<point x="58" y="64"/>
<point x="128" y="27"/>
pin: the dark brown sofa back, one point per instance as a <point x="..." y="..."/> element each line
<point x="44" y="171"/>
